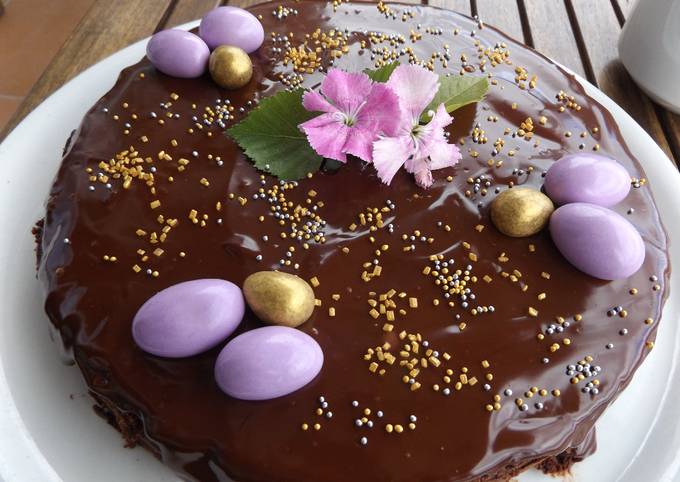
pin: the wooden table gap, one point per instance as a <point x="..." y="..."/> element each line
<point x="580" y="42"/>
<point x="526" y="27"/>
<point x="166" y="15"/>
<point x="502" y="14"/>
<point x="552" y="33"/>
<point x="186" y="11"/>
<point x="620" y="14"/>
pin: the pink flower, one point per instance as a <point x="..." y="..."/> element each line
<point x="420" y="148"/>
<point x="355" y="112"/>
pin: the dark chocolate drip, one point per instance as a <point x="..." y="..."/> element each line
<point x="204" y="433"/>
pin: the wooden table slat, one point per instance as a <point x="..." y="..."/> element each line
<point x="599" y="28"/>
<point x="552" y="34"/>
<point x="503" y="15"/>
<point x="462" y="6"/>
<point x="95" y="37"/>
<point x="188" y="10"/>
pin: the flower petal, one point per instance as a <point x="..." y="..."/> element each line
<point x="415" y="86"/>
<point x="389" y="154"/>
<point x="441" y="119"/>
<point x="424" y="178"/>
<point x="315" y="102"/>
<point x="381" y="111"/>
<point x="443" y="154"/>
<point x="347" y="91"/>
<point x="415" y="163"/>
<point x="327" y="136"/>
<point x="434" y="143"/>
<point x="360" y="143"/>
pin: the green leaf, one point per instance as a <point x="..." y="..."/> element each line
<point x="383" y="73"/>
<point x="457" y="91"/>
<point x="270" y="136"/>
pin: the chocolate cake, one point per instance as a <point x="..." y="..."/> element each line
<point x="511" y="371"/>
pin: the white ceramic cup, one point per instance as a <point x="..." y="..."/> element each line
<point x="649" y="48"/>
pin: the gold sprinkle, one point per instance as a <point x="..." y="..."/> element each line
<point x="314" y="282"/>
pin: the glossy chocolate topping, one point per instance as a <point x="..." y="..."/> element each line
<point x="95" y="226"/>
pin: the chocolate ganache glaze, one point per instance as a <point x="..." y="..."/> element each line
<point x="489" y="389"/>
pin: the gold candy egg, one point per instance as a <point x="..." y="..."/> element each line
<point x="279" y="298"/>
<point x="230" y="67"/>
<point x="521" y="211"/>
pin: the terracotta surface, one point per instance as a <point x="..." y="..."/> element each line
<point x="31" y="33"/>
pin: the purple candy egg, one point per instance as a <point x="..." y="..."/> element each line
<point x="188" y="318"/>
<point x="587" y="178"/>
<point x="231" y="26"/>
<point x="178" y="53"/>
<point x="268" y="363"/>
<point x="597" y="241"/>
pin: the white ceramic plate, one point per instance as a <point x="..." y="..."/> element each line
<point x="48" y="430"/>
